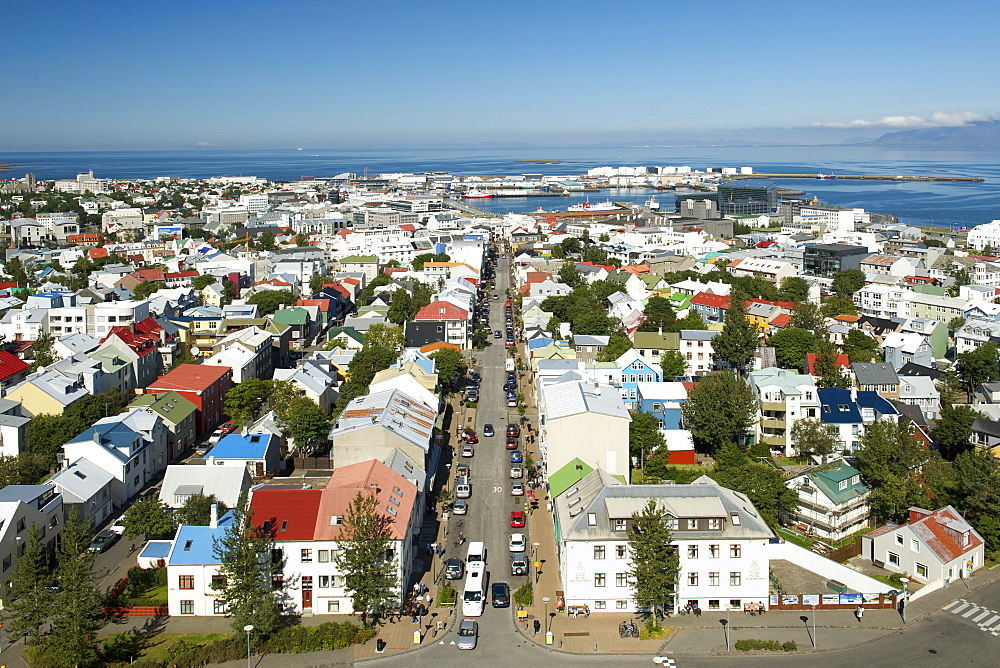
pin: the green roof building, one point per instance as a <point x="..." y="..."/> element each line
<point x="178" y="415"/>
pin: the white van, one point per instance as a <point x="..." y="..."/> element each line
<point x="474" y="592"/>
<point x="462" y="488"/>
<point x="476" y="553"/>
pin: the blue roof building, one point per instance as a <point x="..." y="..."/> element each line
<point x="850" y="410"/>
<point x="260" y="453"/>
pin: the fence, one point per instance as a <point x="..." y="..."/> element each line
<point x="821" y="565"/>
<point x="829" y="601"/>
<point x="299" y="463"/>
<point x="846" y="552"/>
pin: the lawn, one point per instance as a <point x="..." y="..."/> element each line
<point x="152" y="594"/>
<point x="153" y="647"/>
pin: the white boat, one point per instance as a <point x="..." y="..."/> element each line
<point x="477" y="194"/>
<point x="652" y="204"/>
<point x="600" y="206"/>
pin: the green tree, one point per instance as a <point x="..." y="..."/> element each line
<point x="729" y="456"/>
<point x="306" y="423"/>
<point x="890" y="461"/>
<point x="27" y="468"/>
<point x="77" y="611"/>
<point x="41" y="351"/>
<point x="266" y="241"/>
<point x="847" y="282"/>
<point x="807" y="316"/>
<point x="953" y="431"/>
<point x="763" y="485"/>
<point x="569" y="274"/>
<point x="654" y="564"/>
<point x="301" y="239"/>
<point x="738" y="339"/>
<point x="571" y="245"/>
<point x="859" y="347"/>
<point x="245" y="401"/>
<point x="691" y="321"/>
<point x="269" y="301"/>
<point x="230" y="292"/>
<point x="719" y="410"/>
<point x="15" y="269"/>
<point x="977" y="472"/>
<point x="673" y="364"/>
<point x="595" y="254"/>
<point x="401" y="309"/>
<point x="618" y="345"/>
<point x="365" y="557"/>
<point x="658" y="314"/>
<point x="149" y="517"/>
<point x="246" y="564"/>
<point x="366" y="363"/>
<point x="385" y="336"/>
<point x="834" y="306"/>
<point x="31" y="599"/>
<point x="791" y="345"/>
<point x="828" y="373"/>
<point x="418" y="262"/>
<point x="449" y="363"/>
<point x="644" y="437"/>
<point x="978" y="366"/>
<point x="812" y="437"/>
<point x="145" y="289"/>
<point x="317" y="281"/>
<point x="197" y="510"/>
<point x="199" y="283"/>
<point x="793" y="289"/>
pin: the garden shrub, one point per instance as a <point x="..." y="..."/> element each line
<point x="749" y="645"/>
<point x="447" y="596"/>
<point x="789" y="646"/>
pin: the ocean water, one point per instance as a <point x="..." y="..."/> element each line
<point x="963" y="204"/>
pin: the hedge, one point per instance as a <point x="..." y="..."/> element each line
<point x="771" y="645"/>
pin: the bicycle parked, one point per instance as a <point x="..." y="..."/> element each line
<point x="628" y="629"/>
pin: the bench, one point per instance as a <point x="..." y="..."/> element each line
<point x="578" y="633"/>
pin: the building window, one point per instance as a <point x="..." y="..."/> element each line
<point x="921" y="570"/>
<point x="620" y="525"/>
<point x="693" y="579"/>
<point x="218" y="581"/>
<point x="713" y="551"/>
<point x="620" y="551"/>
<point x="600" y="605"/>
<point x="324" y="581"/>
<point x="735" y="579"/>
<point x="713" y="604"/>
<point x="893" y="558"/>
<point x="692" y="551"/>
<point x="324" y="556"/>
<point x="621" y="605"/>
<point x="598" y="552"/>
<point x="621" y="579"/>
<point x="7" y="561"/>
<point x="187" y="607"/>
<point x="735" y="603"/>
<point x="185" y="582"/>
<point x="333" y="606"/>
<point x="219" y="607"/>
<point x="713" y="580"/>
<point x="307" y="556"/>
<point x="692" y="525"/>
<point x="914" y="545"/>
<point x="899" y="539"/>
<point x="599" y="579"/>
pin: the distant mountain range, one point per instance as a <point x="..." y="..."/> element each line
<point x="979" y="134"/>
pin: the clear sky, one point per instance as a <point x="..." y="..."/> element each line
<point x="335" y="73"/>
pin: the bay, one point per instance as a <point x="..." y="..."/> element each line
<point x="963" y="204"/>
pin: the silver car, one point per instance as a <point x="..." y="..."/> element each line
<point x="460" y="507"/>
<point x="468" y="634"/>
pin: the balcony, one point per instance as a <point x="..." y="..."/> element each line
<point x="774" y="406"/>
<point x="772" y="441"/>
<point x="772" y="423"/>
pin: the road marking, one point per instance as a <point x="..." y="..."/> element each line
<point x="962" y="606"/>
<point x="991" y="621"/>
<point x="952" y="604"/>
<point x="972" y="611"/>
<point x="981" y="617"/>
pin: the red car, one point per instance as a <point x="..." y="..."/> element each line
<point x="227" y="428"/>
<point x="512" y="443"/>
<point x="517" y="519"/>
<point x="471" y="438"/>
<point x="513" y="430"/>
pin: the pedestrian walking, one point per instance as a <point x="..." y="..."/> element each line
<point x="860" y="612"/>
<point x="427" y="600"/>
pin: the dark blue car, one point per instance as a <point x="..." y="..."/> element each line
<point x="516" y="457"/>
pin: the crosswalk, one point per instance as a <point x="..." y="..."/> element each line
<point x="975" y="615"/>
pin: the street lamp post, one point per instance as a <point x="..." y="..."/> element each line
<point x="814" y="628"/>
<point x="545" y="599"/>
<point x="248" y="628"/>
<point x="905" y="581"/>
<point x="534" y="554"/>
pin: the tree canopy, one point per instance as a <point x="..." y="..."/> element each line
<point x="847" y="282"/>
<point x="197" y="510"/>
<point x="149" y="517"/>
<point x="246" y="565"/>
<point x="655" y="564"/>
<point x="644" y="437"/>
<point x="890" y="461"/>
<point x="813" y="437"/>
<point x="738" y="339"/>
<point x="269" y="301"/>
<point x="369" y="573"/>
<point x="793" y="289"/>
<point x="659" y="313"/>
<point x="791" y="345"/>
<point x="450" y="364"/>
<point x="953" y="430"/>
<point x="978" y="366"/>
<point x="719" y="410"/>
<point x="859" y="347"/>
<point x="673" y="364"/>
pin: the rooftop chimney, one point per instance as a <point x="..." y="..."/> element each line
<point x="213" y="523"/>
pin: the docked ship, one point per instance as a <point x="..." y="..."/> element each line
<point x="600" y="206"/>
<point x="477" y="194"/>
<point x="652" y="204"/>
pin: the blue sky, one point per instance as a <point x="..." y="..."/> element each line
<point x="150" y="75"/>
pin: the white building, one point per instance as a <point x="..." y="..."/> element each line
<point x="987" y="234"/>
<point x="114" y="314"/>
<point x="833" y="502"/>
<point x="719" y="535"/>
<point x="22" y="506"/>
<point x="783" y="398"/>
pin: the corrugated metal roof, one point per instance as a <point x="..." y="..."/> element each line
<point x="573" y="398"/>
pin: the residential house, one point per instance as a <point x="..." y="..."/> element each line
<point x="931" y="546"/>
<point x="455" y="321"/>
<point x="248" y="352"/>
<point x="783" y="397"/>
<point x="876" y="377"/>
<point x="192" y="568"/>
<point x="260" y="454"/>
<point x="315" y="380"/>
<point x="632" y="369"/>
<point x="663" y="401"/>
<point x="225" y="483"/>
<point x="719" y="536"/>
<point x="695" y="345"/>
<point x="88" y="488"/>
<point x="13" y="429"/>
<point x="204" y="386"/>
<point x="847" y="412"/>
<point x="920" y="391"/>
<point x="178" y="415"/>
<point x="833" y="502"/>
<point x="13" y="370"/>
<point x="21" y="507"/>
<point x="770" y="270"/>
<point x="711" y="308"/>
<point x="589" y="347"/>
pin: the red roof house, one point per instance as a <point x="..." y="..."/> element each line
<point x="442" y="311"/>
<point x="12" y="369"/>
<point x="203" y="385"/>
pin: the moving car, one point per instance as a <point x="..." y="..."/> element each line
<point x="103" y="541"/>
<point x="468" y="451"/>
<point x="517" y="519"/>
<point x="460" y="507"/>
<point x="516" y="472"/>
<point x="516" y="457"/>
<point x="454" y="569"/>
<point x="488" y="430"/>
<point x="468" y="634"/>
<point x="500" y="595"/>
<point x="497" y="334"/>
<point x="518" y="564"/>
<point x="517" y="489"/>
<point x="516" y="542"/>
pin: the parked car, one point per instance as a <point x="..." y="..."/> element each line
<point x="516" y="457"/>
<point x="517" y="519"/>
<point x="488" y="430"/>
<point x="471" y="437"/>
<point x="501" y="595"/>
<point x="460" y="507"/>
<point x="511" y="402"/>
<point x="468" y="451"/>
<point x="454" y="569"/>
<point x="517" y="489"/>
<point x="215" y="437"/>
<point x="103" y="541"/>
<point x="518" y="564"/>
<point x="516" y="472"/>
<point x="468" y="634"/>
<point x="462" y="471"/>
<point x="511" y="443"/>
<point x="517" y="542"/>
<point x="227" y="428"/>
<point x="513" y="429"/>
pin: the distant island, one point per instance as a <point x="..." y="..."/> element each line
<point x="978" y="134"/>
<point x="542" y="162"/>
